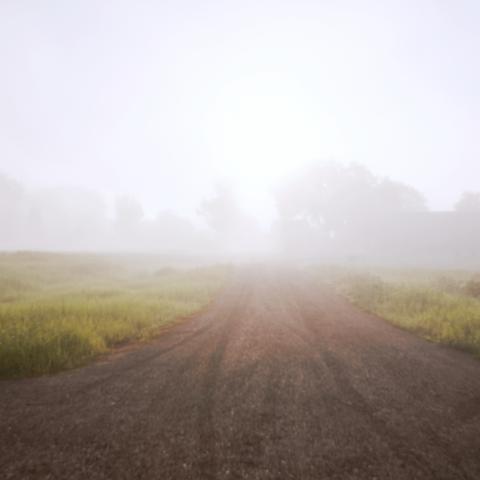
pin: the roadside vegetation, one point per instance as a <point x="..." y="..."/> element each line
<point x="442" y="307"/>
<point x="59" y="311"/>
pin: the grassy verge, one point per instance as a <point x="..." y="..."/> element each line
<point x="59" y="311"/>
<point x="444" y="308"/>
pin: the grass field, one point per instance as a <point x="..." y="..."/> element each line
<point x="58" y="311"/>
<point x="440" y="306"/>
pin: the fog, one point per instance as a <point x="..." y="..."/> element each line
<point x="308" y="131"/>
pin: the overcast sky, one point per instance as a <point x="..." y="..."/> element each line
<point x="162" y="99"/>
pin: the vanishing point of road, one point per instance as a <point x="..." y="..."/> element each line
<point x="279" y="379"/>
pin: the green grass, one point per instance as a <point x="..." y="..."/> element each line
<point x="59" y="311"/>
<point x="442" y="307"/>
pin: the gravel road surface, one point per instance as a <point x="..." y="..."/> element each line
<point x="279" y="379"/>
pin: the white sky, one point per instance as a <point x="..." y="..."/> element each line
<point x="162" y="99"/>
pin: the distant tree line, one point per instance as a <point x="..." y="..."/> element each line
<point x="330" y="211"/>
<point x="326" y="212"/>
<point x="79" y="219"/>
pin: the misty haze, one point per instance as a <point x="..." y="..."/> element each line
<point x="240" y="239"/>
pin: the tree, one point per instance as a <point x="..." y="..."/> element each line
<point x="67" y="218"/>
<point x="172" y="233"/>
<point x="469" y="202"/>
<point x="128" y="225"/>
<point x="128" y="211"/>
<point x="221" y="212"/>
<point x="236" y="231"/>
<point x="329" y="207"/>
<point x="12" y="212"/>
<point x="331" y="195"/>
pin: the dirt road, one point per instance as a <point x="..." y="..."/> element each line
<point x="281" y="379"/>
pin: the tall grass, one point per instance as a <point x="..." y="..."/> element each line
<point x="444" y="308"/>
<point x="59" y="311"/>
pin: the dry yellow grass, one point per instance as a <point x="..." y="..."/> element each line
<point x="442" y="307"/>
<point x="58" y="311"/>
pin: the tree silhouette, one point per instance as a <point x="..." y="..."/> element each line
<point x="330" y="195"/>
<point x="469" y="202"/>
